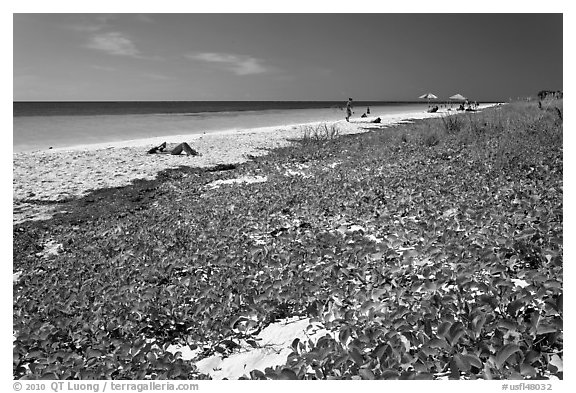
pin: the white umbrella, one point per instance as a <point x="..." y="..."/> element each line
<point x="428" y="96"/>
<point x="458" y="97"/>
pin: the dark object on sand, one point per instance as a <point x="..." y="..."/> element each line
<point x="363" y="115"/>
<point x="158" y="149"/>
<point x="221" y="167"/>
<point x="182" y="147"/>
<point x="376" y="120"/>
<point x="433" y="109"/>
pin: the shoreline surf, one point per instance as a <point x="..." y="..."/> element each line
<point x="31" y="133"/>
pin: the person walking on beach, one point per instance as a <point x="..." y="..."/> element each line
<point x="349" y="109"/>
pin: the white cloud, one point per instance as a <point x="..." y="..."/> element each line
<point x="240" y="65"/>
<point x="113" y="43"/>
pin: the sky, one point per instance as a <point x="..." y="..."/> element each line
<point x="284" y="56"/>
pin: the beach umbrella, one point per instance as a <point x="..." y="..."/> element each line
<point x="428" y="96"/>
<point x="457" y="97"/>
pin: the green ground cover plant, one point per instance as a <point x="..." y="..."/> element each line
<point x="429" y="250"/>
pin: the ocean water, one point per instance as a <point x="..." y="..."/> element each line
<point x="40" y="125"/>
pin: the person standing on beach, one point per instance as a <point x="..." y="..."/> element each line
<point x="349" y="109"/>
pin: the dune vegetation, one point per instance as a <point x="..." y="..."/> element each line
<point x="429" y="250"/>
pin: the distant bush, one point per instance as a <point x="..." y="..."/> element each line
<point x="319" y="133"/>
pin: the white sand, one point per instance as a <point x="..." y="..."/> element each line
<point x="58" y="174"/>
<point x="243" y="179"/>
<point x="274" y="346"/>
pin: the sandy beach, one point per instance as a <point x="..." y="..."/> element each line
<point x="61" y="174"/>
